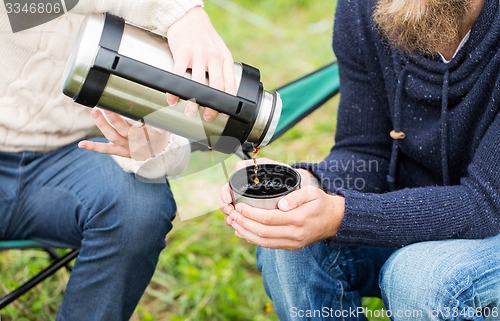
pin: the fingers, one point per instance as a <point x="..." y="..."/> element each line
<point x="265" y="231"/>
<point x="172" y="99"/>
<point x="204" y="51"/>
<point x="226" y="197"/>
<point x="244" y="212"/>
<point x="279" y="217"/>
<point x="226" y="205"/>
<point x="104" y="148"/>
<point x="229" y="79"/>
<point x="198" y="75"/>
<point x="227" y="209"/>
<point x="120" y="124"/>
<point x="107" y="130"/>
<point x="269" y="228"/>
<point x="307" y="178"/>
<point x="289" y="227"/>
<point x="221" y="77"/>
<point x="146" y="142"/>
<point x="283" y="242"/>
<point x="299" y="197"/>
<point x="117" y="143"/>
<point x="216" y="81"/>
<point x="181" y="64"/>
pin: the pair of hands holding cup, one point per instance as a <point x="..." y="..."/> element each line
<point x="302" y="217"/>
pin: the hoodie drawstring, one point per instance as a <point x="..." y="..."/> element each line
<point x="396" y="134"/>
<point x="444" y="129"/>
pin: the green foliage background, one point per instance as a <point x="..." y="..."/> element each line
<point x="206" y="273"/>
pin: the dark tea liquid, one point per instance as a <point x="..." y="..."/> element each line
<point x="266" y="188"/>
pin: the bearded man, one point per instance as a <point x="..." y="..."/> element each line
<point x="420" y="95"/>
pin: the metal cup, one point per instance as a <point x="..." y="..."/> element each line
<point x="274" y="182"/>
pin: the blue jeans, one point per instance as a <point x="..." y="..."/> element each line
<point x="81" y="199"/>
<point x="448" y="280"/>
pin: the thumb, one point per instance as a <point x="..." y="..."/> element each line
<point x="298" y="198"/>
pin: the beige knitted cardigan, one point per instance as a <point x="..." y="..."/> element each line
<point x="36" y="116"/>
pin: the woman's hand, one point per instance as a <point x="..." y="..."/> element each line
<point x="303" y="217"/>
<point x="195" y="44"/>
<point x="126" y="140"/>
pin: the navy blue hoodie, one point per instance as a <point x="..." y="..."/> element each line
<point x="442" y="180"/>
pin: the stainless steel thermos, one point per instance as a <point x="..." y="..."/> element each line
<point x="127" y="70"/>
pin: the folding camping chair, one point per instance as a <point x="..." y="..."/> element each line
<point x="57" y="263"/>
<point x="300" y="98"/>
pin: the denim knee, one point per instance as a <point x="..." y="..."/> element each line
<point x="289" y="271"/>
<point x="303" y="280"/>
<point x="148" y="215"/>
<point x="427" y="281"/>
<point x="136" y="216"/>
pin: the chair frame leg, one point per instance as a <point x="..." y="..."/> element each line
<point x="56" y="265"/>
<point x="55" y="256"/>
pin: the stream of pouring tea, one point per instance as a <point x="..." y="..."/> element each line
<point x="255" y="166"/>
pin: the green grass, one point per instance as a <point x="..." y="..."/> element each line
<point x="206" y="273"/>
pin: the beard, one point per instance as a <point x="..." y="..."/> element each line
<point x="421" y="26"/>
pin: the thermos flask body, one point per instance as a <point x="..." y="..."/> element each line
<point x="125" y="69"/>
